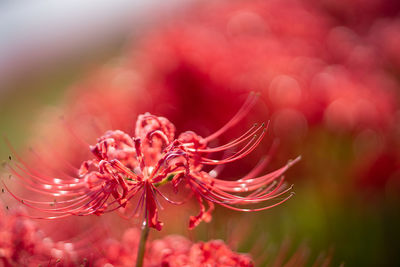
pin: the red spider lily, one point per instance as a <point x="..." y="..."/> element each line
<point x="22" y="243"/>
<point x="125" y="167"/>
<point x="211" y="253"/>
<point x="176" y="250"/>
<point x="173" y="250"/>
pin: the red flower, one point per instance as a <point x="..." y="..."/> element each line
<point x="124" y="167"/>
<point x="173" y="250"/>
<point x="212" y="253"/>
<point x="22" y="243"/>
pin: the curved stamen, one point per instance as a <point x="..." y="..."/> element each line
<point x="243" y="111"/>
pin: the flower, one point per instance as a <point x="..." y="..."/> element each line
<point x="172" y="250"/>
<point x="176" y="250"/>
<point x="124" y="167"/>
<point x="211" y="253"/>
<point x="24" y="244"/>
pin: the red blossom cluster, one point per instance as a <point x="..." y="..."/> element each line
<point x="176" y="251"/>
<point x="22" y="243"/>
<point x="171" y="251"/>
<point x="309" y="70"/>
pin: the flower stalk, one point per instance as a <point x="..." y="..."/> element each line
<point x="142" y="243"/>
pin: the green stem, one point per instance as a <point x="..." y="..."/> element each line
<point x="142" y="243"/>
<point x="165" y="180"/>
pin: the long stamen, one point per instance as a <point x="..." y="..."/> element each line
<point x="243" y="111"/>
<point x="247" y="135"/>
<point x="240" y="154"/>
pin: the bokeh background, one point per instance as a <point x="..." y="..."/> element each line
<point x="328" y="74"/>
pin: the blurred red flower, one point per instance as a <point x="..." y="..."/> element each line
<point x="22" y="243"/>
<point x="171" y="251"/>
<point x="309" y="70"/>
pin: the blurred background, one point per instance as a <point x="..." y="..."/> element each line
<point x="328" y="74"/>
